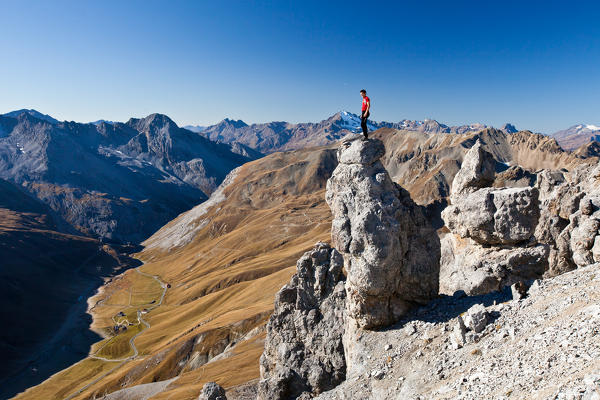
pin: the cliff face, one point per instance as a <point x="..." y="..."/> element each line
<point x="383" y="235"/>
<point x="308" y="359"/>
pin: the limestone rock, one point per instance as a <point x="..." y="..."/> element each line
<point x="390" y="251"/>
<point x="519" y="290"/>
<point x="212" y="391"/>
<point x="476" y="269"/>
<point x="303" y="352"/>
<point x="359" y="152"/>
<point x="596" y="249"/>
<point x="477" y="171"/>
<point x="583" y="234"/>
<point x="570" y="203"/>
<point x="476" y="318"/>
<point x="495" y="216"/>
<point x="457" y="336"/>
<point x="492" y="239"/>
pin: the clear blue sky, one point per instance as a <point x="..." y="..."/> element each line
<point x="533" y="63"/>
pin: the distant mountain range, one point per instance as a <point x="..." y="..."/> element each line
<point x="118" y="181"/>
<point x="577" y="136"/>
<point x="123" y="180"/>
<point x="282" y="136"/>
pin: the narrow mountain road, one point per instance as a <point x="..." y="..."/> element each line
<point x="141" y="320"/>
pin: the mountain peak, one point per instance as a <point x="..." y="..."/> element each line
<point x="577" y="135"/>
<point x="159" y="118"/>
<point x="152" y="121"/>
<point x="33" y="113"/>
<point x="233" y="122"/>
<point x="509" y="128"/>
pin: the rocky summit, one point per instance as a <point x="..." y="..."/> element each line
<point x="489" y="245"/>
<point x="389" y="255"/>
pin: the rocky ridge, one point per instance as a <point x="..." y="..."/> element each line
<point x="284" y="136"/>
<point x="124" y="180"/>
<point x="494" y="237"/>
<point x="489" y="245"/>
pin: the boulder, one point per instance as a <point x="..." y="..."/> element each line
<point x="476" y="318"/>
<point x="303" y="353"/>
<point x="212" y="391"/>
<point x="478" y="170"/>
<point x="391" y="252"/>
<point x="476" y="269"/>
<point x="457" y="335"/>
<point x="495" y="216"/>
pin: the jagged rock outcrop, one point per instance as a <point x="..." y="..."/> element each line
<point x="491" y="242"/>
<point x="495" y="216"/>
<point x="570" y="218"/>
<point x="390" y="251"/>
<point x="303" y="353"/>
<point x="477" y="269"/>
<point x="212" y="391"/>
<point x="477" y="171"/>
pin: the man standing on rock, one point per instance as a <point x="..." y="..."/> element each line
<point x="366" y="106"/>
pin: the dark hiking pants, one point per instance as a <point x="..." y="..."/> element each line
<point x="363" y="122"/>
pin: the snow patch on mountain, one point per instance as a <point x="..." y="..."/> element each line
<point x="352" y="121"/>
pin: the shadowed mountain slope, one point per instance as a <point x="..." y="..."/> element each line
<point x="118" y="181"/>
<point x="44" y="275"/>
